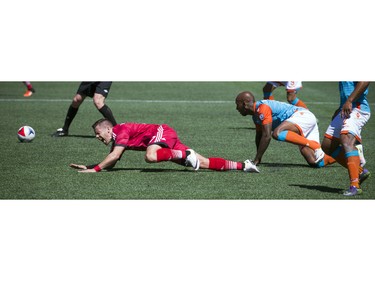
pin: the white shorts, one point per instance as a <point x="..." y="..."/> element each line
<point x="306" y="123"/>
<point x="352" y="125"/>
<point x="290" y="86"/>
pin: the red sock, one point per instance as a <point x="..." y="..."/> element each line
<point x="28" y="85"/>
<point x="167" y="154"/>
<point x="220" y="164"/>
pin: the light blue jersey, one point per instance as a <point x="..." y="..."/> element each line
<point x="274" y="111"/>
<point x="346" y="88"/>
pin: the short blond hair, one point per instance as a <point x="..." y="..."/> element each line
<point x="102" y="122"/>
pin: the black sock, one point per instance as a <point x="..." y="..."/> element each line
<point x="107" y="113"/>
<point x="69" y="117"/>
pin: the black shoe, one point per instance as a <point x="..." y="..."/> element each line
<point x="60" y="133"/>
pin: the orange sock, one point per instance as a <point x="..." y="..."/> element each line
<point x="295" y="138"/>
<point x="353" y="163"/>
<point x="298" y="102"/>
<point x="328" y="160"/>
<point x="301" y="104"/>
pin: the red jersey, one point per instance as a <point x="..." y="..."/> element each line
<point x="138" y="136"/>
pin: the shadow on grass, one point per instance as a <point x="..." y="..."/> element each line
<point x="81" y="136"/>
<point x="319" y="188"/>
<point x="150" y="170"/>
<point x="75" y="136"/>
<point x="283" y="165"/>
<point x="242" y="128"/>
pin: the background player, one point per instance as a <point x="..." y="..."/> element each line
<point x="30" y="89"/>
<point x="283" y="122"/>
<point x="98" y="91"/>
<point x="291" y="88"/>
<point x="160" y="142"/>
<point x="345" y="131"/>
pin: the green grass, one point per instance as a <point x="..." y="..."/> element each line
<point x="39" y="170"/>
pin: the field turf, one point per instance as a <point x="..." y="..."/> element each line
<point x="205" y="117"/>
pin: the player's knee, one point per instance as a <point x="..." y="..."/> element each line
<point x="150" y="157"/>
<point x="275" y="135"/>
<point x="98" y="101"/>
<point x="77" y="100"/>
<point x="280" y="136"/>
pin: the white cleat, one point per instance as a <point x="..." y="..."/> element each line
<point x="361" y="156"/>
<point x="319" y="155"/>
<point x="250" y="167"/>
<point x="192" y="160"/>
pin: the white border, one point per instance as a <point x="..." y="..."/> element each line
<point x="186" y="41"/>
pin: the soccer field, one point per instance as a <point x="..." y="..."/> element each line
<point x="205" y="117"/>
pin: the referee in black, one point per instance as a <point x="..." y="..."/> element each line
<point x="98" y="91"/>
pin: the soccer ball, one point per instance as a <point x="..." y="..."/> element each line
<point x="26" y="134"/>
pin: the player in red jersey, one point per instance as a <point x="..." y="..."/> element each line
<point x="160" y="142"/>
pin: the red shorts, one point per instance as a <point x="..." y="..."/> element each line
<point x="166" y="136"/>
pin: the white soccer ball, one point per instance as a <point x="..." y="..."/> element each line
<point x="26" y="134"/>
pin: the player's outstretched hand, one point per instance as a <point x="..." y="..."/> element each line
<point x="82" y="168"/>
<point x="87" y="171"/>
<point x="79" y="167"/>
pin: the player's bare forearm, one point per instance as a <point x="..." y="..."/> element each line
<point x="109" y="162"/>
<point x="358" y="91"/>
<point x="258" y="137"/>
<point x="263" y="138"/>
<point x="263" y="145"/>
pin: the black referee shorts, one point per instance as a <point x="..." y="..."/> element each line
<point x="90" y="88"/>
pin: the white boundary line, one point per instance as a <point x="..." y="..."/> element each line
<point x="147" y="101"/>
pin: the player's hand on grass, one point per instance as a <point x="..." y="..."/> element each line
<point x="87" y="171"/>
<point x="83" y="168"/>
<point x="78" y="167"/>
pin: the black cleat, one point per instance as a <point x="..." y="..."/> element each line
<point x="60" y="133"/>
